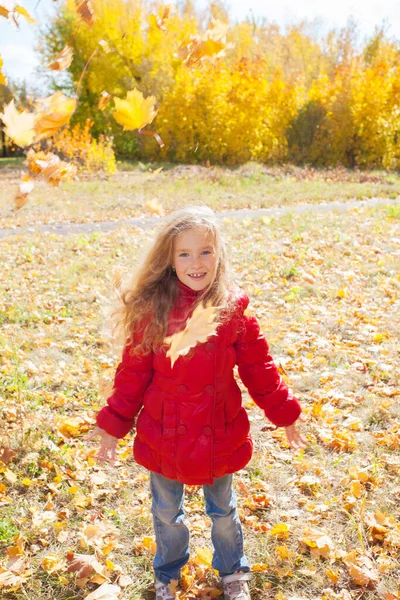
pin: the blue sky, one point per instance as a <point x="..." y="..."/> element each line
<point x="20" y="60"/>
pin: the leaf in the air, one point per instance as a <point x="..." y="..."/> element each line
<point x="25" y="188"/>
<point x="158" y="20"/>
<point x="201" y="325"/>
<point x="19" y="125"/>
<point x="52" y="113"/>
<point x="85" y="11"/>
<point x="50" y="166"/>
<point x="62" y="60"/>
<point x="195" y="48"/>
<point x="21" y="10"/>
<point x="104" y="99"/>
<point x="135" y="111"/>
<point x="3" y="78"/>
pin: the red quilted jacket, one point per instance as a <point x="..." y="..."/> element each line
<point x="191" y="424"/>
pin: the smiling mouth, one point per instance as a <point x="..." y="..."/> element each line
<point x="197" y="275"/>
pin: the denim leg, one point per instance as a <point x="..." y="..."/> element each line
<point x="226" y="532"/>
<point x="172" y="535"/>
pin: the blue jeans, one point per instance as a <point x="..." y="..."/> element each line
<point x="172" y="535"/>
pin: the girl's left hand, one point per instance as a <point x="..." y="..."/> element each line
<point x="295" y="439"/>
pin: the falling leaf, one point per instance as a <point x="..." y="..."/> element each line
<point x="199" y="328"/>
<point x="52" y="113"/>
<point x="155" y="207"/>
<point x="160" y="19"/>
<point x="62" y="60"/>
<point x="85" y="10"/>
<point x="24" y="13"/>
<point x="135" y="111"/>
<point x="19" y="125"/>
<point x="4" y="12"/>
<point x="3" y="78"/>
<point x="105" y="97"/>
<point x="54" y="170"/>
<point x="107" y="591"/>
<point x="197" y="47"/>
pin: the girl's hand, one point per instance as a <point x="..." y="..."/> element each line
<point x="294" y="437"/>
<point x="108" y="445"/>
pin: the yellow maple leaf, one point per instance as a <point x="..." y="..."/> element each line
<point x="135" y="111"/>
<point x="62" y="60"/>
<point x="280" y="530"/>
<point x="19" y="125"/>
<point x="203" y="556"/>
<point x="52" y="113"/>
<point x="3" y="78"/>
<point x="199" y="328"/>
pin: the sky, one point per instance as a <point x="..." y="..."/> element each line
<point x="17" y="46"/>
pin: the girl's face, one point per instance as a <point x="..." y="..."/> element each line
<point x="195" y="258"/>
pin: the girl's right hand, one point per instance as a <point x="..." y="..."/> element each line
<point x="108" y="445"/>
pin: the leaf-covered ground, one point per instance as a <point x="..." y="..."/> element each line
<point x="145" y="191"/>
<point x="321" y="523"/>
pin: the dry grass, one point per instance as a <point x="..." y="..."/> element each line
<point x="126" y="193"/>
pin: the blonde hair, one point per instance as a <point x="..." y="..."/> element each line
<point x="148" y="300"/>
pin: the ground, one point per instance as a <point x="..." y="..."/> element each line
<point x="325" y="286"/>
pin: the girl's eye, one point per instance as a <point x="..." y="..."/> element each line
<point x="184" y="254"/>
<point x="206" y="252"/>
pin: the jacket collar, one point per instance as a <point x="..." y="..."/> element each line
<point x="186" y="291"/>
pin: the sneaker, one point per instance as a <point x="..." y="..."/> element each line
<point x="235" y="586"/>
<point x="163" y="592"/>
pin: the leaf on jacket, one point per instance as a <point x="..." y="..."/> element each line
<point x="199" y="328"/>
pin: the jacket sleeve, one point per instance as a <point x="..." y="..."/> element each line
<point x="132" y="377"/>
<point x="260" y="375"/>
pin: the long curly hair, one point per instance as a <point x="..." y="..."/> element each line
<point x="146" y="302"/>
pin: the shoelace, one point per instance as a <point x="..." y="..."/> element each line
<point x="237" y="589"/>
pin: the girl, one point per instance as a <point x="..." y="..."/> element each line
<point x="191" y="426"/>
